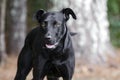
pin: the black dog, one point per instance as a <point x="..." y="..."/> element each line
<point x="48" y="48"/>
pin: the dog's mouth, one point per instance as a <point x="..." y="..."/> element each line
<point x="51" y="46"/>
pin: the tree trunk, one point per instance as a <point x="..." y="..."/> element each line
<point x="2" y="33"/>
<point x="92" y="42"/>
<point x="17" y="25"/>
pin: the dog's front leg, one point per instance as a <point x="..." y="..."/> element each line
<point x="24" y="63"/>
<point x="38" y="68"/>
<point x="68" y="71"/>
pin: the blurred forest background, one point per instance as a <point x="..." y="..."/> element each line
<point x="96" y="44"/>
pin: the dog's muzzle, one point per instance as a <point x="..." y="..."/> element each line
<point x="50" y="44"/>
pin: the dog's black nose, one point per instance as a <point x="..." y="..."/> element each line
<point x="48" y="36"/>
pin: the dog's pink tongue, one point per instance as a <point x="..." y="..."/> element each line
<point x="50" y="46"/>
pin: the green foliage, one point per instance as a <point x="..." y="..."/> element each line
<point x="114" y="19"/>
<point x="114" y="6"/>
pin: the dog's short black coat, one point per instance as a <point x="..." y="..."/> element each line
<point x="48" y="48"/>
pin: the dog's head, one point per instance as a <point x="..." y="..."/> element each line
<point x="53" y="25"/>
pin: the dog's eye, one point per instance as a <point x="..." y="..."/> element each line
<point x="43" y="24"/>
<point x="56" y="24"/>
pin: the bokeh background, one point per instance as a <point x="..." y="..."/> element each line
<point x="97" y="43"/>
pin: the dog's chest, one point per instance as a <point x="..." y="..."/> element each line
<point x="58" y="58"/>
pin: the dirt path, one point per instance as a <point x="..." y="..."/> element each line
<point x="82" y="72"/>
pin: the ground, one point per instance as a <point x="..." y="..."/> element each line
<point x="82" y="72"/>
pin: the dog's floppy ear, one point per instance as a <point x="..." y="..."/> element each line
<point x="39" y="14"/>
<point x="67" y="12"/>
